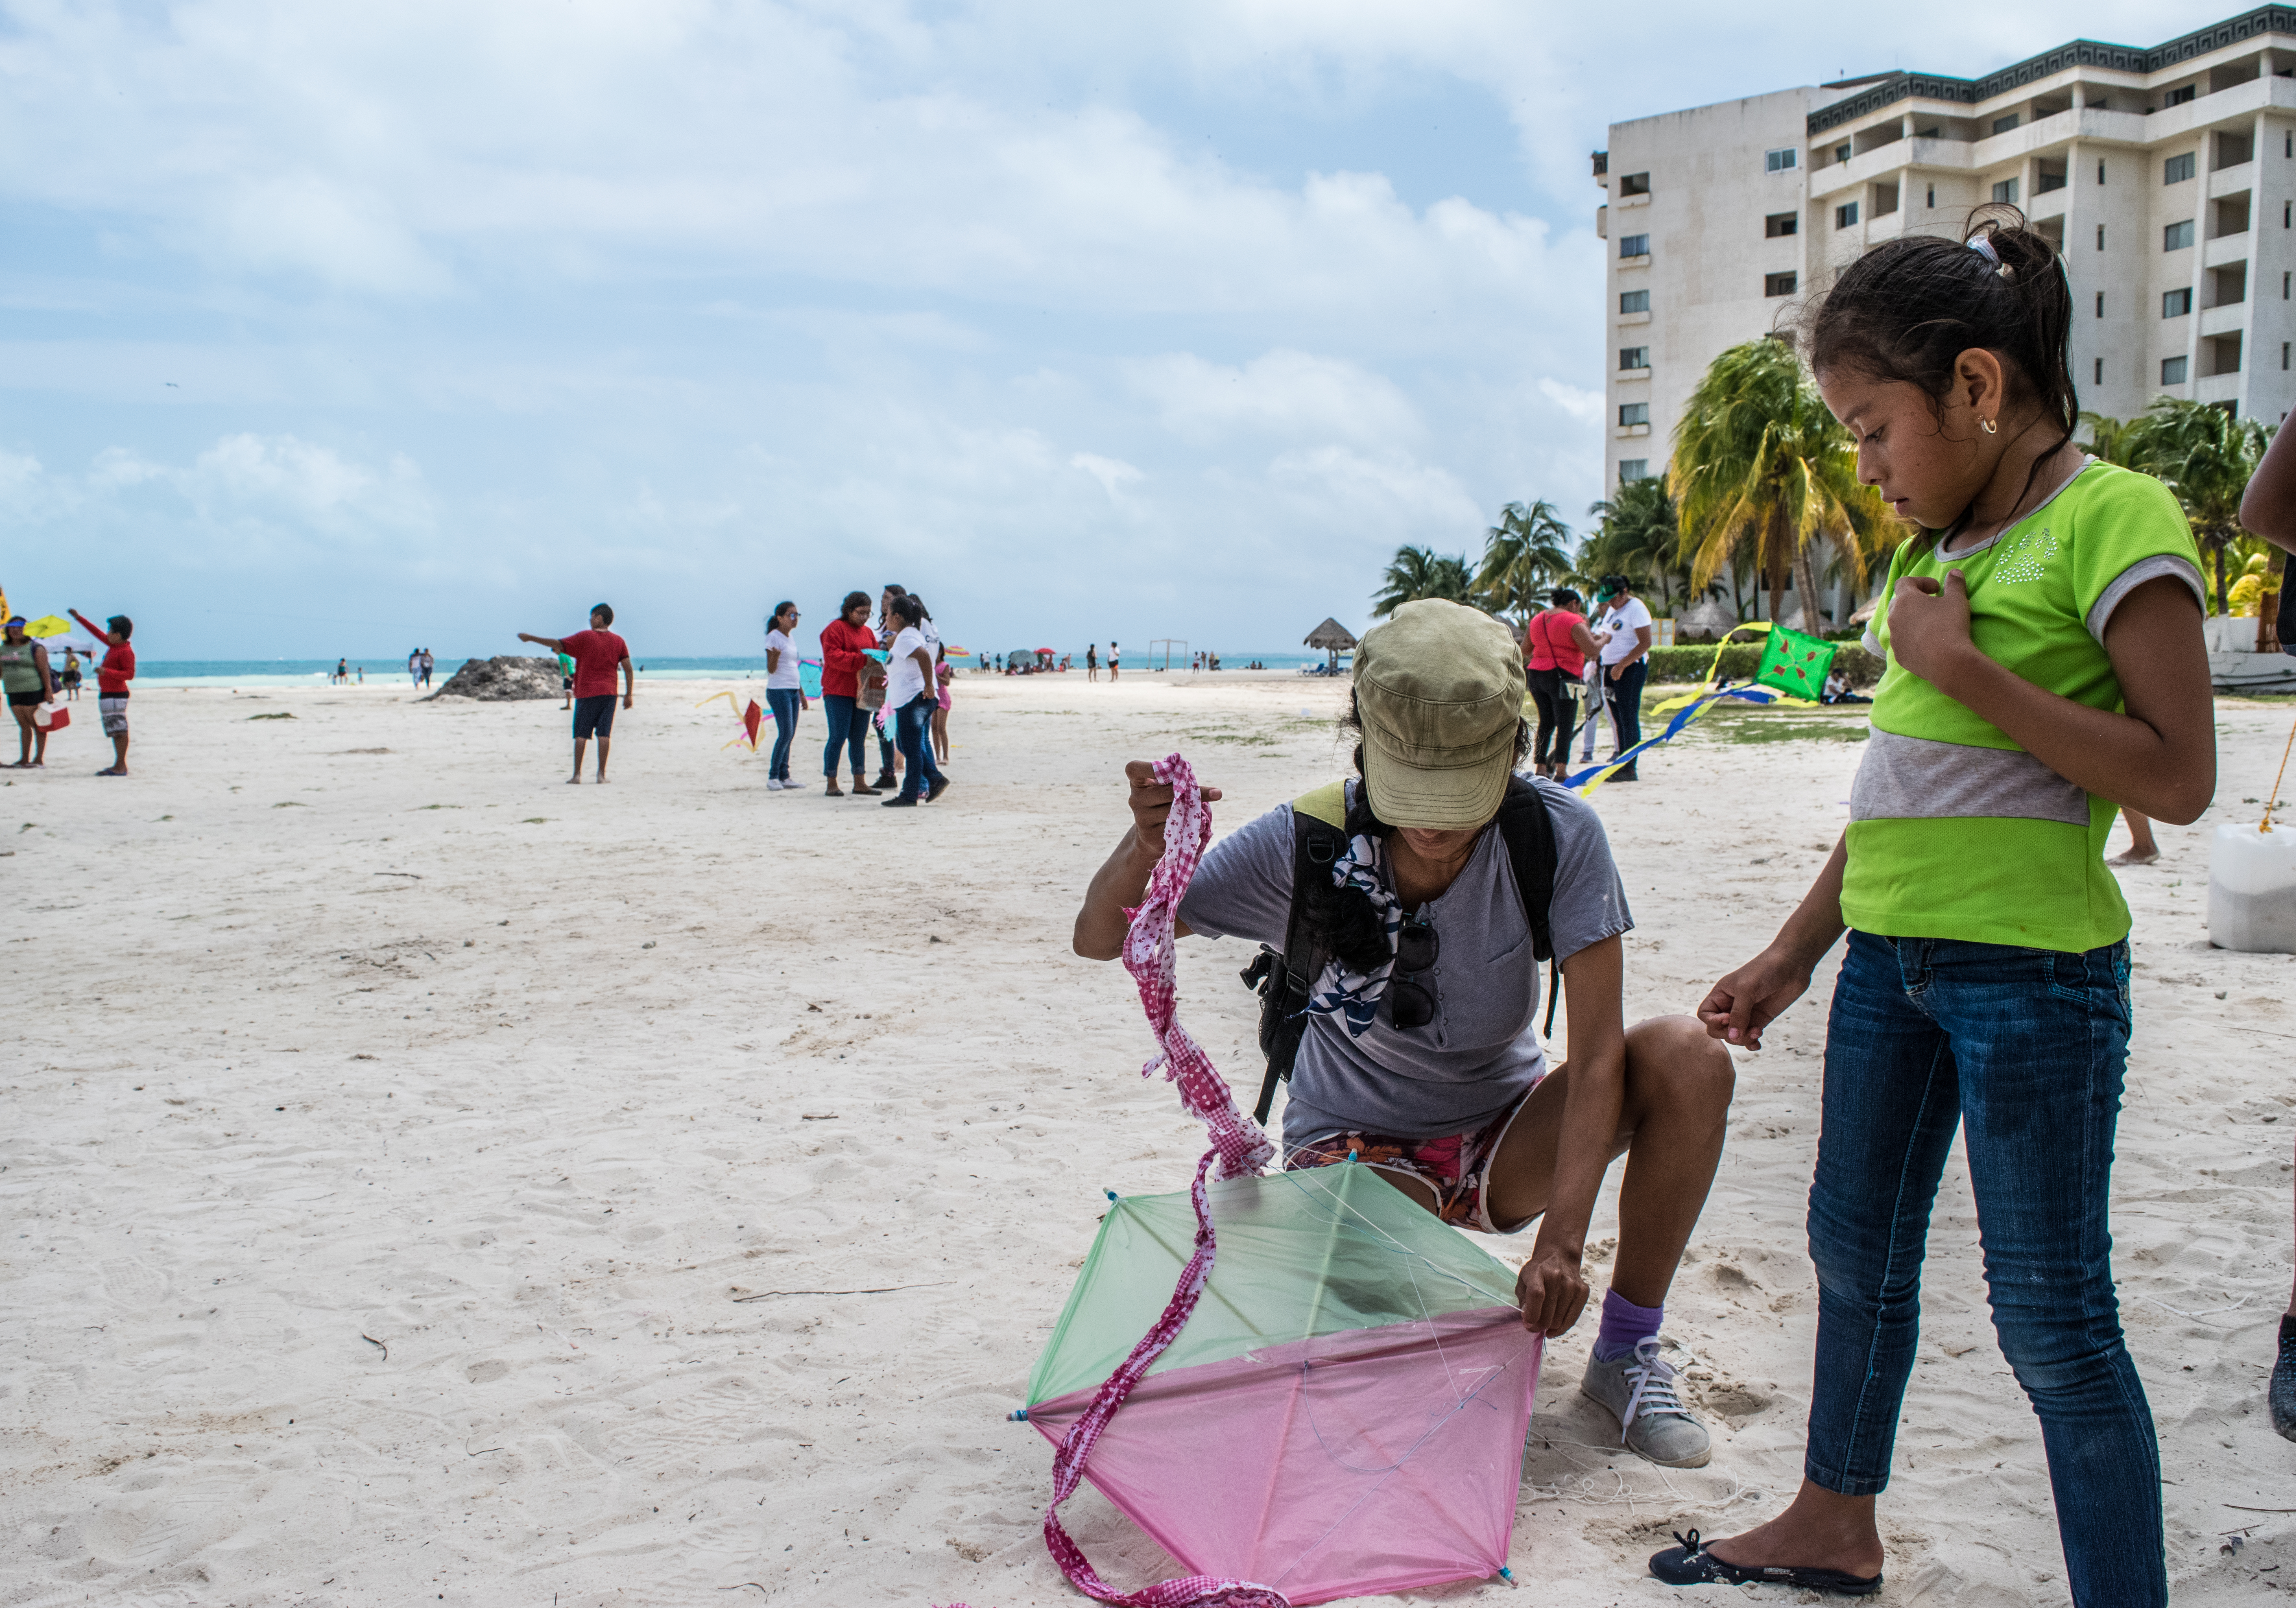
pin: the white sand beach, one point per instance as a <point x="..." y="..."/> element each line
<point x="427" y="1181"/>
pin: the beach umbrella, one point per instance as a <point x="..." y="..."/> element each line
<point x="1300" y="1385"/>
<point x="48" y="625"/>
<point x="1343" y="1413"/>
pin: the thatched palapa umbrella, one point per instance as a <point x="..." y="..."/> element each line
<point x="1334" y="639"/>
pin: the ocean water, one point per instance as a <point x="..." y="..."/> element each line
<point x="314" y="672"/>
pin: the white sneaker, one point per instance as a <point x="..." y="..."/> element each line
<point x="772" y="785"/>
<point x="1639" y="1391"/>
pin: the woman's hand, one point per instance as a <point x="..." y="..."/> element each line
<point x="1551" y="1289"/>
<point x="1618" y="669"/>
<point x="1152" y="805"/>
<point x="1749" y="999"/>
<point x="1928" y="626"/>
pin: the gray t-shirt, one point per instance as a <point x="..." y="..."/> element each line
<point x="1482" y="1052"/>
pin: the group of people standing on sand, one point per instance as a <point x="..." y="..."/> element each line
<point x="910" y="691"/>
<point x="1984" y="986"/>
<point x="31" y="682"/>
<point x="1568" y="659"/>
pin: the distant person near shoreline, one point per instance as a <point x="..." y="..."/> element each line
<point x="785" y="691"/>
<point x="1111" y="661"/>
<point x="598" y="653"/>
<point x="111" y="680"/>
<point x="30" y="681"/>
<point x="1092" y="661"/>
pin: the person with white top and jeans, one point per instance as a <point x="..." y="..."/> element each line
<point x="1625" y="662"/>
<point x="782" y="692"/>
<point x="910" y="697"/>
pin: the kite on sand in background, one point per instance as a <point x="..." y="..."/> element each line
<point x="1793" y="669"/>
<point x="750" y="718"/>
<point x="1333" y="1401"/>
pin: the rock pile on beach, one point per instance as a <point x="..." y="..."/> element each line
<point x="505" y="678"/>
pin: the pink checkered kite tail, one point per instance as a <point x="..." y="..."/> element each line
<point x="1148" y="955"/>
<point x="1238" y="1146"/>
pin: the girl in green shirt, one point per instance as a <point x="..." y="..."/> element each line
<point x="2045" y="667"/>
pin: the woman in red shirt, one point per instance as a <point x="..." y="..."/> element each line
<point x="843" y="641"/>
<point x="1556" y="645"/>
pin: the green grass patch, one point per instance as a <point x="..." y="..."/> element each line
<point x="1750" y="723"/>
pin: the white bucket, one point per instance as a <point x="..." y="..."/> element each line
<point x="2252" y="890"/>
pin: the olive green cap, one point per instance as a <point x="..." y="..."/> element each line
<point x="1439" y="690"/>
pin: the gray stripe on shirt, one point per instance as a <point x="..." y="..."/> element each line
<point x="2135" y="575"/>
<point x="1907" y="778"/>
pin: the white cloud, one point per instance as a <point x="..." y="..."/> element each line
<point x="1112" y="473"/>
<point x="1286" y="394"/>
<point x="1583" y="406"/>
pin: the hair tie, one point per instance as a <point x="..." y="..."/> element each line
<point x="1983" y="246"/>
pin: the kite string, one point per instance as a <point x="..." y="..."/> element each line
<point x="1240" y="1148"/>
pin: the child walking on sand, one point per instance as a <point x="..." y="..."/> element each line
<point x="111" y="680"/>
<point x="1985" y="982"/>
<point x="598" y="653"/>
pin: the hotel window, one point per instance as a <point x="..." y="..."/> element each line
<point x="2175" y="303"/>
<point x="2176" y="170"/>
<point x="2176" y="237"/>
<point x="1631" y="469"/>
<point x="1845" y="216"/>
<point x="1781" y="160"/>
<point x="1842" y="153"/>
<point x="2004" y="125"/>
<point x="1634" y="184"/>
<point x="1638" y="245"/>
<point x="1779" y="224"/>
<point x="1634" y="413"/>
<point x="2283" y="287"/>
<point x="1780" y="285"/>
<point x="1634" y="356"/>
<point x="2100" y="237"/>
<point x="2178" y="97"/>
<point x="2172" y="370"/>
<point x="2100" y="166"/>
<point x="2283" y="354"/>
<point x="1634" y="301"/>
<point x="1932" y="199"/>
<point x="2100" y="304"/>
<point x="2098" y="377"/>
<point x="2287" y="209"/>
<point x="2006" y="191"/>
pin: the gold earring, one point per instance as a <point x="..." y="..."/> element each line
<point x="1988" y="427"/>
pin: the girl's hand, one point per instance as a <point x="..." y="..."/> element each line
<point x="1551" y="1290"/>
<point x="1741" y="1005"/>
<point x="1928" y="626"/>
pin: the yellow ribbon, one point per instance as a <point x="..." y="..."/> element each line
<point x="734" y="704"/>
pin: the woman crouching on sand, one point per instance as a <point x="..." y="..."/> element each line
<point x="2045" y="666"/>
<point x="1421" y="1054"/>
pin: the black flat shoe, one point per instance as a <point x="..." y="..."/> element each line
<point x="933" y="793"/>
<point x="902" y="802"/>
<point x="1690" y="1564"/>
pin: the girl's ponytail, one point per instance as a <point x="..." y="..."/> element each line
<point x="1910" y="307"/>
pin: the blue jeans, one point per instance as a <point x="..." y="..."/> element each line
<point x="1626" y="699"/>
<point x="915" y="728"/>
<point x="848" y="727"/>
<point x="2023" y="1049"/>
<point x="785" y="702"/>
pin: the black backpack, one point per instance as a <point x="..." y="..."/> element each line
<point x="1284" y="981"/>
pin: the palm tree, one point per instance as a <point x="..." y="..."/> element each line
<point x="2108" y="437"/>
<point x="1524" y="553"/>
<point x="1417" y="572"/>
<point x="1637" y="535"/>
<point x="2206" y="456"/>
<point x="1758" y="462"/>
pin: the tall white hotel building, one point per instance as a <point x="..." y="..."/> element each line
<point x="2167" y="176"/>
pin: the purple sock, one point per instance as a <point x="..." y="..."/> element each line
<point x="1625" y="1325"/>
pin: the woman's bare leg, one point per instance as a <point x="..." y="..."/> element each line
<point x="2142" y="849"/>
<point x="1820" y="1528"/>
<point x="1677" y="1105"/>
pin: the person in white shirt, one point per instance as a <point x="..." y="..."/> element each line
<point x="783" y="693"/>
<point x="1625" y="662"/>
<point x="910" y="698"/>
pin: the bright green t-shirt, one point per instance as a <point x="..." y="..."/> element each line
<point x="1955" y="830"/>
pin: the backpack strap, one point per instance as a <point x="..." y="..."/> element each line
<point x="1284" y="981"/>
<point x="1530" y="834"/>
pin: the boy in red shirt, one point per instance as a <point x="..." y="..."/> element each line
<point x="596" y="652"/>
<point x="111" y="680"/>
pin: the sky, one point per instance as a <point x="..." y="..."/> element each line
<point x="342" y="329"/>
